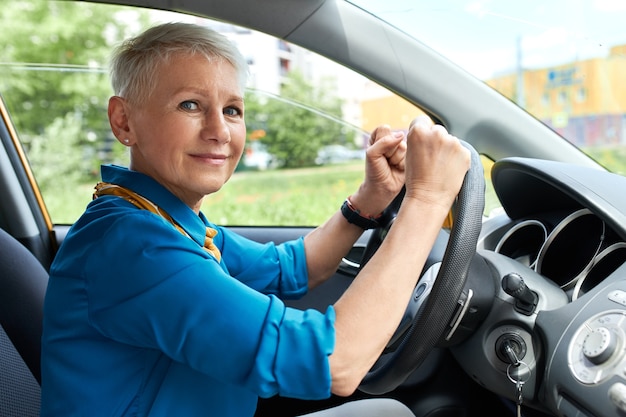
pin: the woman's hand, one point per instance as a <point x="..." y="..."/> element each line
<point x="436" y="163"/>
<point x="384" y="171"/>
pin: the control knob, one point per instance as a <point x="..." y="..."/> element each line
<point x="599" y="345"/>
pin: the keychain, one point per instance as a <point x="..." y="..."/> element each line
<point x="519" y="383"/>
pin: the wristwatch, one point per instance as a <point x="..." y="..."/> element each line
<point x="354" y="216"/>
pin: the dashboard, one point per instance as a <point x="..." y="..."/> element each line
<point x="556" y="326"/>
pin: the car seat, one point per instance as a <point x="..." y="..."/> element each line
<point x="23" y="282"/>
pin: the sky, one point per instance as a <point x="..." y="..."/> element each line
<point x="485" y="36"/>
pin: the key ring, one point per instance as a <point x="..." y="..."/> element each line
<point x="519" y="379"/>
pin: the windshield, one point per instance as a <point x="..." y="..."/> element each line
<point x="562" y="61"/>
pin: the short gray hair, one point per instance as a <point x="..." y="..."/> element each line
<point x="134" y="62"/>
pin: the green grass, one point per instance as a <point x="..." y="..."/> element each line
<point x="294" y="197"/>
<point x="612" y="158"/>
<point x="303" y="197"/>
<point x="67" y="202"/>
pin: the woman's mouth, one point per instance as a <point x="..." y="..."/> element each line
<point x="211" y="158"/>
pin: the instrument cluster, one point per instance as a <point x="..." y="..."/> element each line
<point x="576" y="250"/>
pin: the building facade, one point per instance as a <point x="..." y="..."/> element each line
<point x="573" y="98"/>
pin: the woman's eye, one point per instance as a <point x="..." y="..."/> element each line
<point x="189" y="105"/>
<point x="232" y="111"/>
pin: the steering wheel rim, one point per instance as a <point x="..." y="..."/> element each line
<point x="430" y="323"/>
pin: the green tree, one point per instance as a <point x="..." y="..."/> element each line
<point x="54" y="56"/>
<point x="53" y="170"/>
<point x="298" y="124"/>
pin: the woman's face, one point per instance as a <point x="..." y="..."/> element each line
<point x="190" y="133"/>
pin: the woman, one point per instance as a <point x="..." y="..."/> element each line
<point x="153" y="310"/>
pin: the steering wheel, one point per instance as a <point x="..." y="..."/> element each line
<point x="427" y="324"/>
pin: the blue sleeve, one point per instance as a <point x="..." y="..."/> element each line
<point x="156" y="289"/>
<point x="268" y="268"/>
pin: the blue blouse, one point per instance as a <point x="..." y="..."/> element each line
<point x="139" y="320"/>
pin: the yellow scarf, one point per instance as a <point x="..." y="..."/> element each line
<point x="105" y="188"/>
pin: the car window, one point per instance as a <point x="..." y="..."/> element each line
<point x="308" y="119"/>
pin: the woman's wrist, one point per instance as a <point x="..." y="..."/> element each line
<point x="369" y="201"/>
<point x="357" y="217"/>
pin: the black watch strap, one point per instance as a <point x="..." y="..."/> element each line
<point x="354" y="216"/>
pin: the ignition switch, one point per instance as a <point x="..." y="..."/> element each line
<point x="511" y="348"/>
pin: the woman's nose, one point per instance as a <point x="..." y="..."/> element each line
<point x="215" y="127"/>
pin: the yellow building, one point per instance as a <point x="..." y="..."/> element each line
<point x="387" y="108"/>
<point x="576" y="99"/>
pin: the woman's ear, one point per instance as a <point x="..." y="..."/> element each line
<point x="118" y="119"/>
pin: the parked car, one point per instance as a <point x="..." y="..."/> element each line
<point x="522" y="312"/>
<point x="256" y="156"/>
<point x="335" y="154"/>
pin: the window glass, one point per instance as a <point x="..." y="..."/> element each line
<point x="307" y="128"/>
